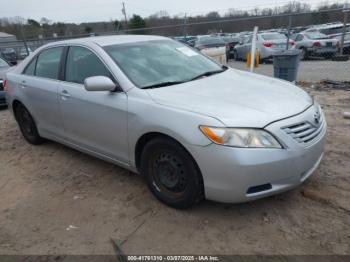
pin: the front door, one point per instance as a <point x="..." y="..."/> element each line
<point x="96" y="121"/>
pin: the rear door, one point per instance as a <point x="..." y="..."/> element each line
<point x="95" y="121"/>
<point x="39" y="83"/>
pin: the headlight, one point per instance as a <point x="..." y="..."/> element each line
<point x="240" y="137"/>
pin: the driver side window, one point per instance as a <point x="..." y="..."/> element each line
<point x="82" y="63"/>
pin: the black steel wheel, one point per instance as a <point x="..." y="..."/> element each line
<point x="27" y="125"/>
<point x="171" y="173"/>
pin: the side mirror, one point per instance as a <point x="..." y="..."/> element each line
<point x="99" y="83"/>
<point x="240" y="42"/>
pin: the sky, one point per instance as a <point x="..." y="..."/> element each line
<point x="78" y="11"/>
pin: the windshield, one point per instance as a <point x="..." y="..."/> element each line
<point x="3" y="63"/>
<point x="273" y="37"/>
<point x="316" y="36"/>
<point x="154" y="62"/>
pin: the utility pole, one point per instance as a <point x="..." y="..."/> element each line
<point x="185" y="26"/>
<point x="346" y="13"/>
<point x="289" y="29"/>
<point x="124" y="13"/>
<point x="24" y="39"/>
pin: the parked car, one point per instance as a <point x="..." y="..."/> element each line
<point x="268" y="44"/>
<point x="346" y="47"/>
<point x="4" y="66"/>
<point x="195" y="129"/>
<point x="330" y="30"/>
<point x="231" y="42"/>
<point x="213" y="47"/>
<point x="315" y="44"/>
<point x="188" y="40"/>
<point x="9" y="54"/>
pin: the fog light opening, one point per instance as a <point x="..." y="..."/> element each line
<point x="258" y="189"/>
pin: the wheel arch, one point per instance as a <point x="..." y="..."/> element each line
<point x="14" y="105"/>
<point x="147" y="137"/>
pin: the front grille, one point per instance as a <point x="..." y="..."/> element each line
<point x="305" y="132"/>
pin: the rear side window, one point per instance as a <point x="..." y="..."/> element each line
<point x="48" y="64"/>
<point x="30" y="69"/>
<point x="82" y="63"/>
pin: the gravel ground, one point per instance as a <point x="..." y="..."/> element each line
<point x="55" y="200"/>
<point x="309" y="71"/>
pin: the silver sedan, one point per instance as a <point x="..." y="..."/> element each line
<point x="315" y="44"/>
<point x="268" y="44"/>
<point x="195" y="129"/>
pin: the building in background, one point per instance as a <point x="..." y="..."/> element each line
<point x="5" y="37"/>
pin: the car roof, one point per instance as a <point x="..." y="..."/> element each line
<point x="327" y="26"/>
<point x="110" y="40"/>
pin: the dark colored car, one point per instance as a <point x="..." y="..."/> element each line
<point x="9" y="54"/>
<point x="188" y="40"/>
<point x="231" y="41"/>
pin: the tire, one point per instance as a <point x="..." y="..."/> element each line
<point x="304" y="54"/>
<point x="27" y="126"/>
<point x="171" y="173"/>
<point x="235" y="54"/>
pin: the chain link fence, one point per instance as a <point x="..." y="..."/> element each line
<point x="322" y="37"/>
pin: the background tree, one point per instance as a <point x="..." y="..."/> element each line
<point x="137" y="22"/>
<point x="88" y="29"/>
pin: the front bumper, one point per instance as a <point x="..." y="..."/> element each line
<point x="230" y="173"/>
<point x="323" y="50"/>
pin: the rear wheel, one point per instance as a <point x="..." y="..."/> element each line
<point x="27" y="125"/>
<point x="304" y="54"/>
<point x="171" y="173"/>
<point x="235" y="55"/>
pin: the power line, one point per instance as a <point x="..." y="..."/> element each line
<point x="236" y="19"/>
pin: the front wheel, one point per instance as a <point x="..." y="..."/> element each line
<point x="171" y="173"/>
<point x="27" y="125"/>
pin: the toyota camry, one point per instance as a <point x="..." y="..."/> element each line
<point x="193" y="128"/>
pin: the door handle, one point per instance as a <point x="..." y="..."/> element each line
<point x="65" y="94"/>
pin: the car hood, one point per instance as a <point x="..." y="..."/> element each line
<point x="236" y="98"/>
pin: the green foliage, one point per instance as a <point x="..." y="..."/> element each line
<point x="137" y="22"/>
<point x="88" y="29"/>
<point x="33" y="23"/>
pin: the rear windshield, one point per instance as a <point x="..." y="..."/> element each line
<point x="210" y="41"/>
<point x="273" y="36"/>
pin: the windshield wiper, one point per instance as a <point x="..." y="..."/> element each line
<point x="168" y="83"/>
<point x="209" y="73"/>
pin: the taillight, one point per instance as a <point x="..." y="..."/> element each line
<point x="227" y="46"/>
<point x="291" y="42"/>
<point x="317" y="44"/>
<point x="267" y="44"/>
<point x="5" y="85"/>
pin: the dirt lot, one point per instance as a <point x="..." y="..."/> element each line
<point x="55" y="200"/>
